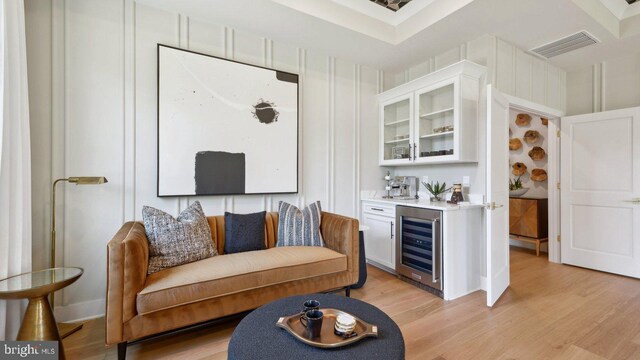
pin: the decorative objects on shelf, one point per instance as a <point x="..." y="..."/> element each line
<point x="436" y="189"/>
<point x="538" y="175"/>
<point x="438" y="112"/>
<point x="523" y="119"/>
<point x="537" y="153"/>
<point x="519" y="169"/>
<point x="531" y="136"/>
<point x="220" y="122"/>
<point x="387" y="187"/>
<point x="456" y="196"/>
<point x="515" y="144"/>
<point x="544" y="121"/>
<point x="516" y="188"/>
<point x="78" y="180"/>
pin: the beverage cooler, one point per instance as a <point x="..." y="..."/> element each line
<point x="419" y="246"/>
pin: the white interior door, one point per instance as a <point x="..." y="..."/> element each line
<point x="497" y="214"/>
<point x="600" y="205"/>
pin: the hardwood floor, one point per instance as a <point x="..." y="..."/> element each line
<point x="550" y="311"/>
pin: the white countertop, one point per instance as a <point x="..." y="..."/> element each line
<point x="425" y="204"/>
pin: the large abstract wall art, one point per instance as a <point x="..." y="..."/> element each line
<point x="224" y="127"/>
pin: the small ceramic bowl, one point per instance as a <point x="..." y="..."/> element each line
<point x="518" y="192"/>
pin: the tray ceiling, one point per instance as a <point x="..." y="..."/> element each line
<point x="369" y="34"/>
<point x="395" y="5"/>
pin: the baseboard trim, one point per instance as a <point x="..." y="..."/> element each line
<point x="382" y="267"/>
<point x="80" y="311"/>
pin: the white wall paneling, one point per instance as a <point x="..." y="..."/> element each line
<point x="608" y="85"/>
<point x="94" y="112"/>
<point x="38" y="25"/>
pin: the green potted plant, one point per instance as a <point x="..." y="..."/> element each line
<point x="516" y="188"/>
<point x="436" y="189"/>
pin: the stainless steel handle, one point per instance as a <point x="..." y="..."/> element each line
<point x="377" y="209"/>
<point x="391" y="231"/>
<point x="492" y="206"/>
<point x="415" y="155"/>
<point x="633" y="201"/>
<point x="436" y="255"/>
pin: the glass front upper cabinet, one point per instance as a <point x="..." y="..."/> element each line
<point x="435" y="125"/>
<point x="432" y="119"/>
<point x="396" y="129"/>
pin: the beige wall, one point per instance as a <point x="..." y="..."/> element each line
<point x="92" y="67"/>
<point x="609" y="85"/>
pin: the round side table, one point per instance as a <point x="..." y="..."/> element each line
<point x="39" y="322"/>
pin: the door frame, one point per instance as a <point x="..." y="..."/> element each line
<point x="553" y="164"/>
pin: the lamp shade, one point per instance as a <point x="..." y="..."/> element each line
<point x="88" y="180"/>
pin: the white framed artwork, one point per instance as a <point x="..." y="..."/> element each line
<point x="225" y="127"/>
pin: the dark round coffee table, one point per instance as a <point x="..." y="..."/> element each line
<point x="257" y="337"/>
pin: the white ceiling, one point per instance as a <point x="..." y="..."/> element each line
<point x="366" y="33"/>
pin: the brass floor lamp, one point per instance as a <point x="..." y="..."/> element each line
<point x="67" y="329"/>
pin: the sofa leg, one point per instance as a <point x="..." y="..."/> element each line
<point x="347" y="291"/>
<point x="122" y="350"/>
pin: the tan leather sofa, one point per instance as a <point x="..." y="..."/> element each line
<point x="139" y="306"/>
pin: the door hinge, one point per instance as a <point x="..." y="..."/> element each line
<point x="558" y="133"/>
<point x="558" y="186"/>
<point x="558" y="238"/>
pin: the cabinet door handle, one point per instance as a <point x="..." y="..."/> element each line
<point x="415" y="155"/>
<point x="391" y="232"/>
<point x="377" y="209"/>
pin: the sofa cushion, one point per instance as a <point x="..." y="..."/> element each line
<point x="299" y="227"/>
<point x="177" y="241"/>
<point x="227" y="274"/>
<point x="244" y="232"/>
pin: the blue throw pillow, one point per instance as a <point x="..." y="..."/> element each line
<point x="243" y="232"/>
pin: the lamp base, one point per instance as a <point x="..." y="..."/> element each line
<point x="66" y="329"/>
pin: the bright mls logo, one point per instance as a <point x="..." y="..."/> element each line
<point x="29" y="350"/>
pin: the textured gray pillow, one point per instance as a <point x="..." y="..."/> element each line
<point x="177" y="241"/>
<point x="299" y="228"/>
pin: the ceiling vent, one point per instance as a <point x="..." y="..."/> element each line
<point x="564" y="45"/>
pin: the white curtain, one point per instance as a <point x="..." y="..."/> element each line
<point x="15" y="160"/>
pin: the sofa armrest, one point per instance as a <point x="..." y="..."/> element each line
<point x="127" y="263"/>
<point x="340" y="233"/>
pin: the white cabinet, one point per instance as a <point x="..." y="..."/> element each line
<point x="463" y="267"/>
<point x="379" y="240"/>
<point x="433" y="119"/>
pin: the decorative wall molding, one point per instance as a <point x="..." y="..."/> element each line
<point x="301" y="55"/>
<point x="331" y="145"/>
<point x="356" y="139"/>
<point x="129" y="110"/>
<point x="80" y="311"/>
<point x="139" y="28"/>
<point x="58" y="123"/>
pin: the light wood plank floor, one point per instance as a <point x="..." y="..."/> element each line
<point x="550" y="311"/>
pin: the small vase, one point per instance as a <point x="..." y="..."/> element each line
<point x="436" y="198"/>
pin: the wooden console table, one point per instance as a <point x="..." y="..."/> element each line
<point x="529" y="220"/>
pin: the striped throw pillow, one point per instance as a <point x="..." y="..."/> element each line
<point x="299" y="228"/>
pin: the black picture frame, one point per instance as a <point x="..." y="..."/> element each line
<point x="158" y="115"/>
